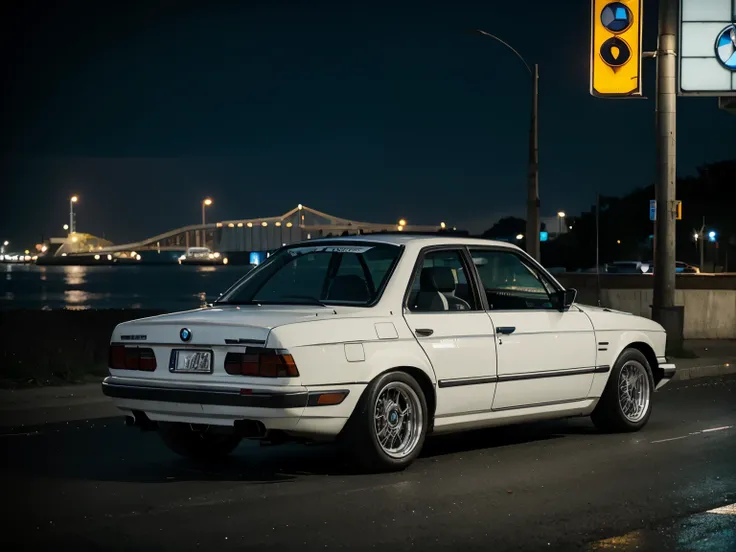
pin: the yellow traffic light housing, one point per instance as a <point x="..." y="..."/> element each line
<point x="615" y="48"/>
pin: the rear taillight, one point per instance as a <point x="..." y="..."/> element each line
<point x="264" y="363"/>
<point x="132" y="358"/>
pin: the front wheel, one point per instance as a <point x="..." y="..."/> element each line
<point x="387" y="429"/>
<point x="626" y="403"/>
<point x="195" y="444"/>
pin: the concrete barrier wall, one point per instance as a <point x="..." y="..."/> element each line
<point x="709" y="313"/>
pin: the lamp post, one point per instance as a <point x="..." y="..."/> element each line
<point x="5" y="244"/>
<point x="72" y="201"/>
<point x="205" y="203"/>
<point x="532" y="209"/>
<point x="560" y="218"/>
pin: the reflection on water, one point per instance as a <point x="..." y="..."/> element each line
<point x="74" y="275"/>
<point x="167" y="287"/>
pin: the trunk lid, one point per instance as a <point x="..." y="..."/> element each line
<point x="220" y="329"/>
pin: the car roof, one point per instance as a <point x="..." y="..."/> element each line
<point x="422" y="240"/>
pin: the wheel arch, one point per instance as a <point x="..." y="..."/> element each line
<point x="648" y="352"/>
<point x="425" y="383"/>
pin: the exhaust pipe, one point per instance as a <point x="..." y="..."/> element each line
<point x="140" y="420"/>
<point x="250" y="429"/>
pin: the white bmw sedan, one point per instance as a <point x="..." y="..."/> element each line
<point x="377" y="341"/>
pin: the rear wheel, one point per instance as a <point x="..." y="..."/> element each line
<point x="389" y="425"/>
<point x="202" y="444"/>
<point x="626" y="403"/>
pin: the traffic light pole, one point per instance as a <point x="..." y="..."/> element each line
<point x="532" y="210"/>
<point x="664" y="310"/>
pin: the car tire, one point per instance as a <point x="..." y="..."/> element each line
<point x="383" y="434"/>
<point x="203" y="446"/>
<point x="626" y="402"/>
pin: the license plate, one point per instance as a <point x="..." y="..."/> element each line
<point x="191" y="362"/>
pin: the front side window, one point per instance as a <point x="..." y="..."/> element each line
<point x="319" y="274"/>
<point x="510" y="283"/>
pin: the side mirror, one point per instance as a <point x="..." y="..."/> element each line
<point x="565" y="299"/>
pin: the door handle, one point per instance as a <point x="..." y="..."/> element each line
<point x="424" y="332"/>
<point x="506" y="330"/>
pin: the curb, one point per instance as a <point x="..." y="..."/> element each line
<point x="706" y="371"/>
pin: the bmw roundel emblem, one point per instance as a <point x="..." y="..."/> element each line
<point x="185" y="334"/>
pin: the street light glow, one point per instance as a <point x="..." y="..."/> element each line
<point x="74" y="199"/>
<point x="443" y="225"/>
<point x="6" y="243"/>
<point x="561" y="214"/>
<point x="402" y="222"/>
<point x="207" y="202"/>
<point x="519" y="236"/>
<point x="66" y="227"/>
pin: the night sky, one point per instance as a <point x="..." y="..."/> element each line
<point x="364" y="110"/>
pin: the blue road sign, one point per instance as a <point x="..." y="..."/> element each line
<point x="652" y="209"/>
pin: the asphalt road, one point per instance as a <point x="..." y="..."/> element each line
<point x="546" y="486"/>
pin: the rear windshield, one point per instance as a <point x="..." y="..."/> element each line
<point x="350" y="274"/>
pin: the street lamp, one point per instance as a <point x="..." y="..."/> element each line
<point x="560" y="218"/>
<point x="532" y="213"/>
<point x="519" y="236"/>
<point x="205" y="203"/>
<point x="72" y="201"/>
<point x="443" y="225"/>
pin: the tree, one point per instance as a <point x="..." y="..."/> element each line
<point x="507" y="228"/>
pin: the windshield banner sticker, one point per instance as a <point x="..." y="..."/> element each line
<point x="357" y="249"/>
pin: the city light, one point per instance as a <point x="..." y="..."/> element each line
<point x="207" y="202"/>
<point x="695" y="236"/>
<point x="264" y="224"/>
<point x="66" y="227"/>
<point x="443" y="225"/>
<point x="618" y="242"/>
<point x="289" y="224"/>
<point x="278" y="223"/>
<point x="712" y="235"/>
<point x="249" y="225"/>
<point x="561" y="214"/>
<point x="519" y="236"/>
<point x="74" y="199"/>
<point x="402" y="222"/>
<point x="300" y="207"/>
<point x="6" y="243"/>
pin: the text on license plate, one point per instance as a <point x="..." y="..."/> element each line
<point x="197" y="362"/>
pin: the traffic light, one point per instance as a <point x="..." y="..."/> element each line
<point x="615" y="48"/>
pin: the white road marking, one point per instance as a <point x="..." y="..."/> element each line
<point x="717" y="429"/>
<point x="728" y="510"/>
<point x="710" y="430"/>
<point x="672" y="439"/>
<point x="19" y="434"/>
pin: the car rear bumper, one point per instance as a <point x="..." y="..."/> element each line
<point x="668" y="371"/>
<point x="292" y="409"/>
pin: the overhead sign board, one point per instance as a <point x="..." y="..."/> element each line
<point x="615" y="48"/>
<point x="707" y="53"/>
